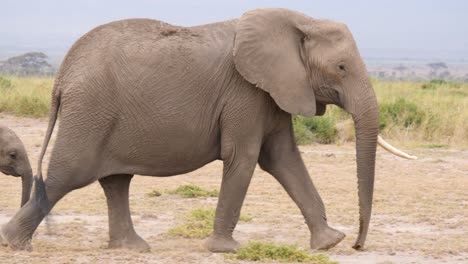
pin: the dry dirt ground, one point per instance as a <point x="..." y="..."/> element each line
<point x="420" y="210"/>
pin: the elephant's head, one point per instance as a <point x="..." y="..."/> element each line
<point x="305" y="64"/>
<point x="14" y="160"/>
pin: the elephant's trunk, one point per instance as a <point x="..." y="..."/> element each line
<point x="26" y="180"/>
<point x="366" y="121"/>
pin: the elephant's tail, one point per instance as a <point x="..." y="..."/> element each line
<point x="40" y="195"/>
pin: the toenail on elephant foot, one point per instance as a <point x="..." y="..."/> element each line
<point x="133" y="243"/>
<point x="326" y="238"/>
<point x="221" y="244"/>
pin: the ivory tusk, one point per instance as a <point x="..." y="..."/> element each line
<point x="394" y="150"/>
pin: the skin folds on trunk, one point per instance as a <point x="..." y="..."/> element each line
<point x="366" y="122"/>
<point x="26" y="180"/>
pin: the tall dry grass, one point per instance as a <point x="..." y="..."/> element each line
<point x="415" y="113"/>
<point x="25" y="96"/>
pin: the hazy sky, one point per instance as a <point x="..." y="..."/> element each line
<point x="401" y="27"/>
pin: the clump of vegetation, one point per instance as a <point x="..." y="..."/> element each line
<point x="436" y="83"/>
<point x="199" y="224"/>
<point x="433" y="84"/>
<point x="314" y="129"/>
<point x="192" y="191"/>
<point x="154" y="193"/>
<point x="323" y="129"/>
<point x="302" y="134"/>
<point x="25" y="96"/>
<point x="5" y="84"/>
<point x="401" y="112"/>
<point x="259" y="251"/>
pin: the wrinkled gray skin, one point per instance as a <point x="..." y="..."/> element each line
<point x="14" y="160"/>
<point x="144" y="97"/>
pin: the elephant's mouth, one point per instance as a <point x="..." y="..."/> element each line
<point x="7" y="170"/>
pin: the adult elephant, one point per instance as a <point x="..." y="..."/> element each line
<point x="14" y="161"/>
<point x="144" y="97"/>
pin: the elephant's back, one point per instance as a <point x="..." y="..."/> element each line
<point x="144" y="46"/>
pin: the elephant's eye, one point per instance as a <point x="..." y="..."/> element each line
<point x="12" y="155"/>
<point x="342" y="67"/>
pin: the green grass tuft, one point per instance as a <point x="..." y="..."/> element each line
<point x="192" y="191"/>
<point x="199" y="224"/>
<point x="260" y="251"/>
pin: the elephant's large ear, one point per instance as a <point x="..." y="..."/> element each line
<point x="267" y="53"/>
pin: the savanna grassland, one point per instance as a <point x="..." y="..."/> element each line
<point x="429" y="114"/>
<point x="419" y="213"/>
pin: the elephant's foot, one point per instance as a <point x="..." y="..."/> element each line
<point x="133" y="242"/>
<point x="221" y="244"/>
<point x="326" y="238"/>
<point x="8" y="237"/>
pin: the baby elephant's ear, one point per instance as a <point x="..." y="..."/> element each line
<point x="267" y="53"/>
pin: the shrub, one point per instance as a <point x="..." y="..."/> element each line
<point x="318" y="129"/>
<point x="436" y="83"/>
<point x="199" y="224"/>
<point x="5" y="84"/>
<point x="302" y="133"/>
<point x="192" y="191"/>
<point x="259" y="251"/>
<point x="323" y="129"/>
<point x="401" y="113"/>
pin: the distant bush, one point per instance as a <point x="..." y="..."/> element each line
<point x="436" y="83"/>
<point x="260" y="251"/>
<point x="301" y="132"/>
<point x="5" y="84"/>
<point x="323" y="129"/>
<point x="401" y="112"/>
<point x="314" y="129"/>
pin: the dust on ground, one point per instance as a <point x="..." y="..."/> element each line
<point x="419" y="216"/>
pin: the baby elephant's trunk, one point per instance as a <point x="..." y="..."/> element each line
<point x="26" y="179"/>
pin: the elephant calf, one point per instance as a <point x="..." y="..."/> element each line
<point x="14" y="160"/>
<point x="140" y="96"/>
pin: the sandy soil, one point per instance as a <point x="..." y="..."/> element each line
<point x="420" y="210"/>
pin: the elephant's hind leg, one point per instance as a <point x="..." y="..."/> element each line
<point x="121" y="231"/>
<point x="61" y="180"/>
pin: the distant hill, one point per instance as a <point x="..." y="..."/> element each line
<point x="31" y="63"/>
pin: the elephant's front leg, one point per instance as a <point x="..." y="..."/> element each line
<point x="281" y="158"/>
<point x="239" y="160"/>
<point x="121" y="231"/>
